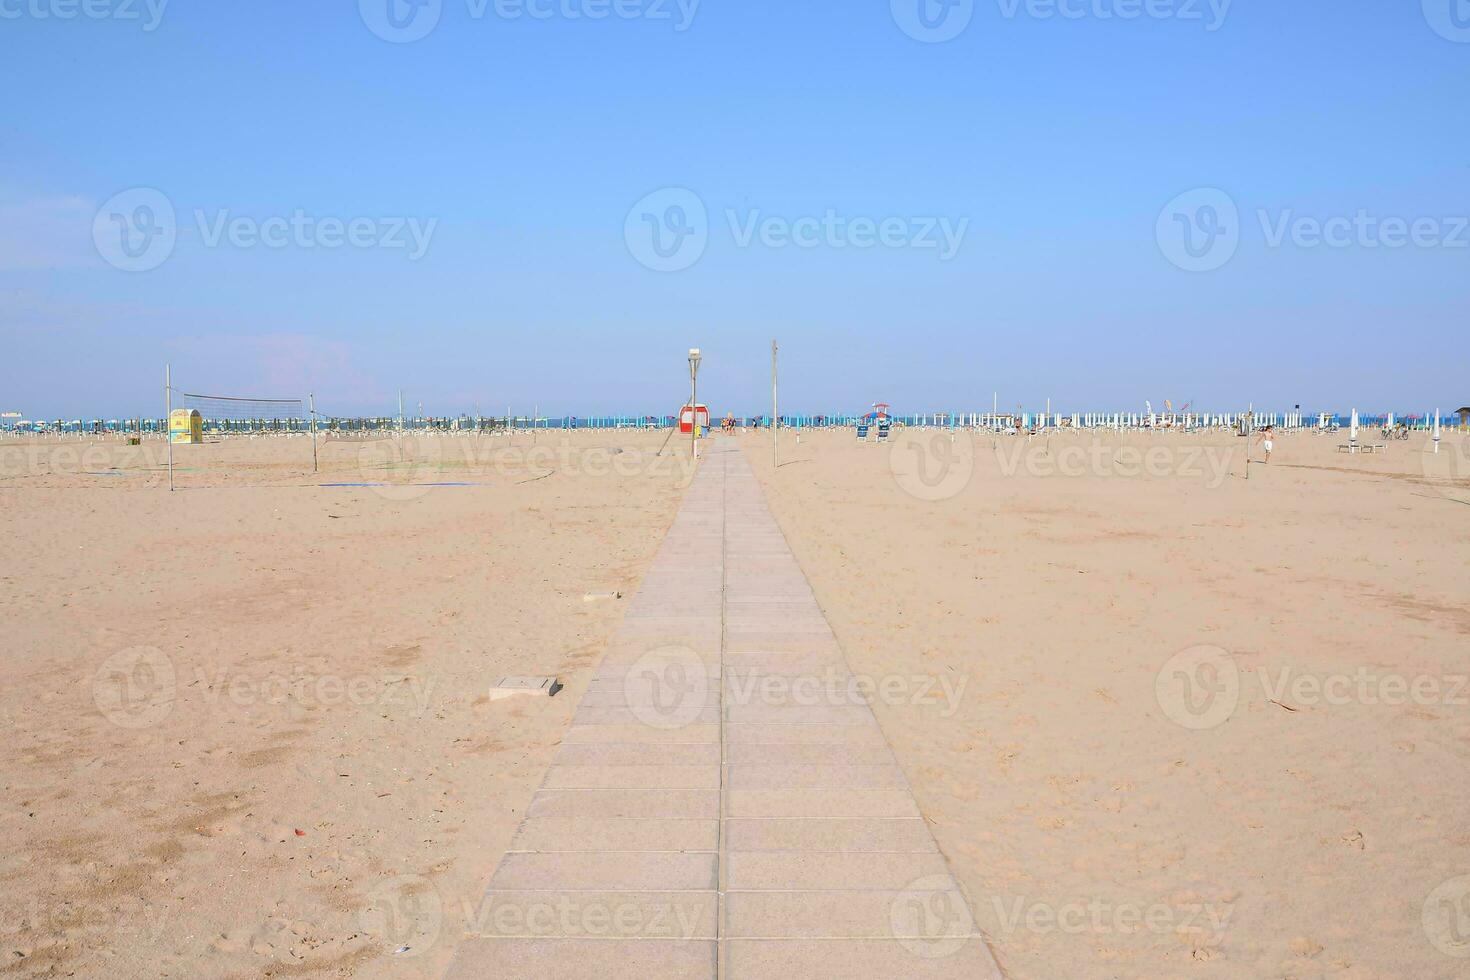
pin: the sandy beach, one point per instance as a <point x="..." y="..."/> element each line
<point x="1163" y="720"/>
<point x="1183" y="724"/>
<point x="247" y="729"/>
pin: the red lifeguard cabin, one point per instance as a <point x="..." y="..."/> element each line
<point x="687" y="417"/>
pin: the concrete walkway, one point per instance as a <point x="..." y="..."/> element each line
<point x="724" y="804"/>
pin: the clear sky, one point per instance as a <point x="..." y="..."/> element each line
<point x="924" y="204"/>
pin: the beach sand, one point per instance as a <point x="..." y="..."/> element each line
<point x="1068" y="604"/>
<point x="246" y="726"/>
<point x="248" y="731"/>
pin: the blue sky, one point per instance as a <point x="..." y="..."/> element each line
<point x="1060" y="152"/>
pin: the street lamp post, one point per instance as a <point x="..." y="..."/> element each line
<point x="694" y="359"/>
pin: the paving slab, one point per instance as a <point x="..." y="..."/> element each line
<point x="820" y="803"/>
<point x="858" y="959"/>
<point x="621" y="870"/>
<point x="651" y="691"/>
<point x="834" y="915"/>
<point x="614" y="715"/>
<point x="882" y="776"/>
<point x="592" y="914"/>
<point x="641" y="733"/>
<point x="824" y="870"/>
<point x="669" y="804"/>
<point x="584" y="959"/>
<point x="632" y="777"/>
<point x="808" y="661"/>
<point x="822" y="753"/>
<point x="800" y="714"/>
<point x="851" y="835"/>
<point x="767" y="734"/>
<point x="615" y="676"/>
<point x="616" y="834"/>
<point x="644" y="754"/>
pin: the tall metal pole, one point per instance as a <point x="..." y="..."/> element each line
<point x="693" y="406"/>
<point x="311" y="400"/>
<point x="775" y="455"/>
<point x="168" y="411"/>
<point x="400" y="411"/>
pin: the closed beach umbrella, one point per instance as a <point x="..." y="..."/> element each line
<point x="1353" y="431"/>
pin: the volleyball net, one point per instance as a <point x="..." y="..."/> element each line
<point x="230" y="413"/>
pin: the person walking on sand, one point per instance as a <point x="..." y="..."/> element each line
<point x="1265" y="440"/>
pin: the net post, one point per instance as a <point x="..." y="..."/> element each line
<point x="311" y="399"/>
<point x="168" y="411"/>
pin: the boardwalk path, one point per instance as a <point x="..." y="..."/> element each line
<point x="765" y="833"/>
